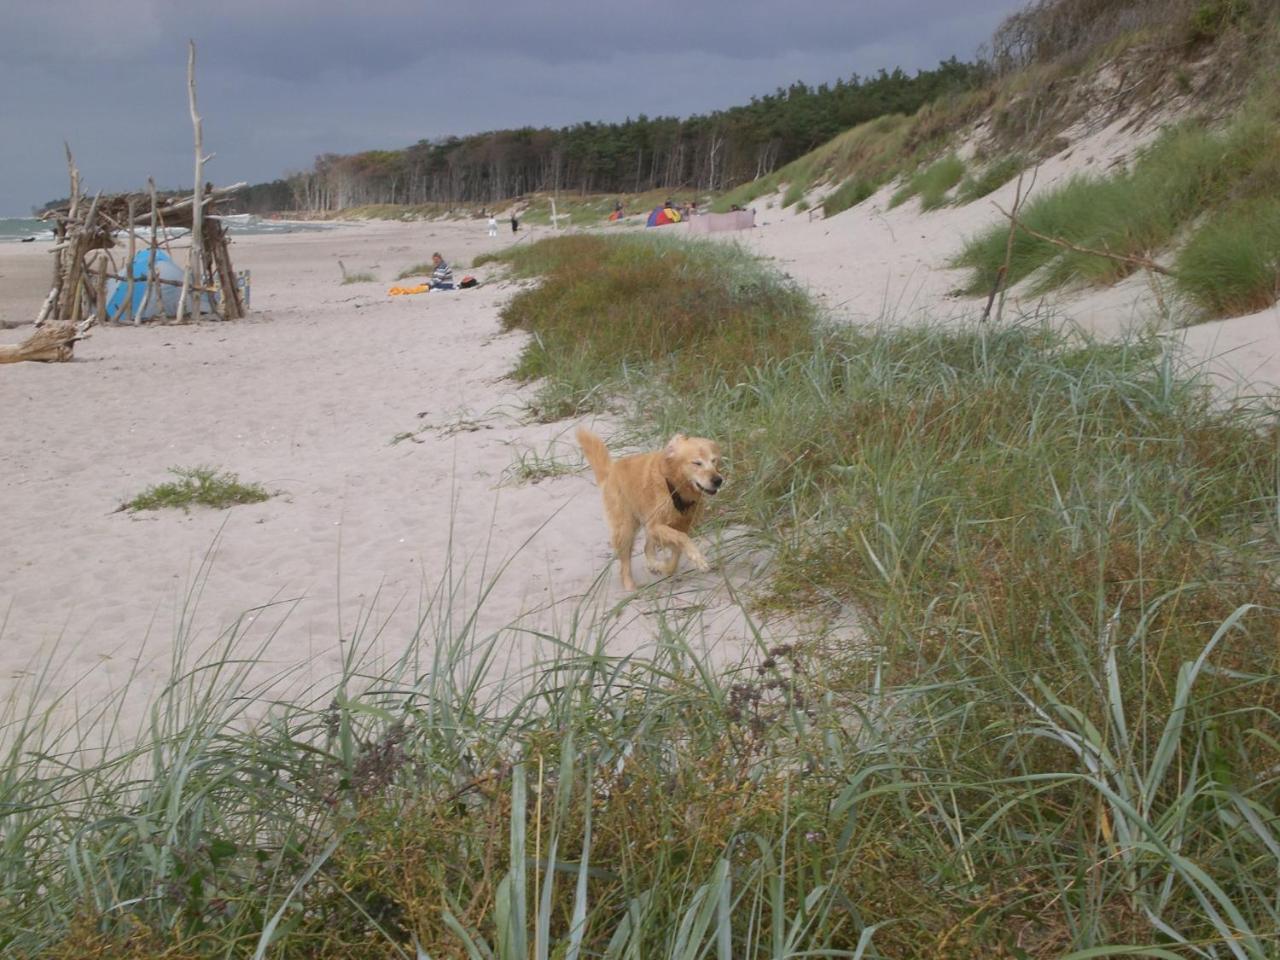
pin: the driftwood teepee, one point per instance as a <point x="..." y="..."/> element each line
<point x="87" y="231"/>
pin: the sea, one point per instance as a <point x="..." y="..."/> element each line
<point x="30" y="230"/>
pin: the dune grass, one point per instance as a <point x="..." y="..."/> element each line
<point x="1188" y="171"/>
<point x="1231" y="265"/>
<point x="1055" y="734"/>
<point x="198" y="486"/>
<point x="990" y="178"/>
<point x="931" y="184"/>
<point x="686" y="312"/>
<point x="417" y="270"/>
<point x="849" y="194"/>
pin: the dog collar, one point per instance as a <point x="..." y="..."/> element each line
<point x="680" y="503"/>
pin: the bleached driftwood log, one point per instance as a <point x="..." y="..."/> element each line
<point x="52" y="342"/>
<point x="193" y="277"/>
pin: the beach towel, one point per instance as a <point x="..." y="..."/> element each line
<point x="405" y="291"/>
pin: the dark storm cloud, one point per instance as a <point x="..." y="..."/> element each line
<point x="283" y="80"/>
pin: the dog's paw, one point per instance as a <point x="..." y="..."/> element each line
<point x="699" y="562"/>
<point x="655" y="566"/>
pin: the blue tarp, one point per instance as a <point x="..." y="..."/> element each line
<point x="168" y="294"/>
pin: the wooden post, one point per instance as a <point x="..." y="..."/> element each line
<point x="195" y="256"/>
<point x="102" y="287"/>
<point x="133" y="250"/>
<point x="151" y="256"/>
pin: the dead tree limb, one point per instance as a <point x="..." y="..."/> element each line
<point x="1143" y="263"/>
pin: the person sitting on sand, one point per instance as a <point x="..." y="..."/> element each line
<point x="441" y="276"/>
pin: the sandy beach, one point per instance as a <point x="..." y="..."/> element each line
<point x="307" y="396"/>
<point x="390" y="433"/>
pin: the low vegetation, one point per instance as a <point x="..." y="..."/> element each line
<point x="689" y="312"/>
<point x="931" y="184"/>
<point x="990" y="178"/>
<point x="1231" y="264"/>
<point x="423" y="269"/>
<point x="199" y="487"/>
<point x="1190" y="171"/>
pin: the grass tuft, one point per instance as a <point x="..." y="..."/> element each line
<point x="1231" y="265"/>
<point x="991" y="178"/>
<point x="198" y="486"/>
<point x="849" y="194"/>
<point x="417" y="270"/>
<point x="932" y="184"/>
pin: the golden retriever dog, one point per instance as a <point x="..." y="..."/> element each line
<point x="661" y="491"/>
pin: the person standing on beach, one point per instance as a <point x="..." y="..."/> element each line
<point x="493" y="225"/>
<point x="515" y="224"/>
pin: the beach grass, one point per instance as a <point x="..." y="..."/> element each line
<point x="360" y="276"/>
<point x="417" y="270"/>
<point x="1231" y="264"/>
<point x="850" y="193"/>
<point x="931" y="184"/>
<point x="990" y="178"/>
<point x="200" y="486"/>
<point x="687" y="312"/>
<point x="1189" y="171"/>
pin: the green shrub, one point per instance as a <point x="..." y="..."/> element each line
<point x="1231" y="265"/>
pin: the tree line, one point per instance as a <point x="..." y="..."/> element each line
<point x="705" y="152"/>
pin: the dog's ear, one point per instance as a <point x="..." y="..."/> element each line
<point x="674" y="442"/>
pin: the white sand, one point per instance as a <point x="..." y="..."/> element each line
<point x="306" y="396"/>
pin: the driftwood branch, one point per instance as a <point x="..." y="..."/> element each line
<point x="177" y="205"/>
<point x="1003" y="271"/>
<point x="1144" y="263"/>
<point x="53" y="342"/>
<point x="193" y="276"/>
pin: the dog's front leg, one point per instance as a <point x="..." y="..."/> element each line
<point x="654" y="563"/>
<point x="679" y="543"/>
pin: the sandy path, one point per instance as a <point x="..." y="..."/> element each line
<point x="305" y="397"/>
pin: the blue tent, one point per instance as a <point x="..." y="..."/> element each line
<point x="165" y="303"/>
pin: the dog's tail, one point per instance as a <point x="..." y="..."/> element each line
<point x="596" y="452"/>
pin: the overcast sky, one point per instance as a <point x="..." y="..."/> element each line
<point x="280" y="81"/>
